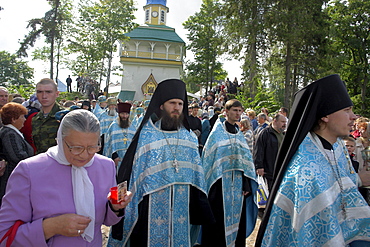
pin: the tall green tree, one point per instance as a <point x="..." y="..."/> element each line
<point x="350" y="22"/>
<point x="279" y="42"/>
<point x="245" y="37"/>
<point x="83" y="44"/>
<point x="51" y="26"/>
<point x="14" y="71"/>
<point x="206" y="41"/>
<point x="194" y="77"/>
<point x="106" y="22"/>
<point x="296" y="30"/>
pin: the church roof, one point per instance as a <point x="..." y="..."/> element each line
<point x="155" y="33"/>
<point x="163" y="2"/>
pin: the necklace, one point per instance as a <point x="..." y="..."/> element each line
<point x="330" y="156"/>
<point x="232" y="144"/>
<point x="125" y="134"/>
<point x="175" y="163"/>
<point x="336" y="172"/>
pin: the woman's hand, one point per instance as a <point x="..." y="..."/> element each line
<point x="123" y="203"/>
<point x="70" y="225"/>
<point x="2" y="167"/>
<point x="117" y="161"/>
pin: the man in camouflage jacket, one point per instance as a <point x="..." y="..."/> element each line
<point x="44" y="124"/>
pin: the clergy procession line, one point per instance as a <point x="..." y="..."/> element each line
<point x="176" y="172"/>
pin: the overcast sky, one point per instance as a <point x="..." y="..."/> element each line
<point x="16" y="13"/>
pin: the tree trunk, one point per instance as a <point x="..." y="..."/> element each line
<point x="253" y="70"/>
<point x="253" y="53"/>
<point x="52" y="39"/>
<point x="288" y="73"/>
<point x="109" y="70"/>
<point x="58" y="61"/>
<point x="294" y="85"/>
<point x="363" y="92"/>
<point x="101" y="73"/>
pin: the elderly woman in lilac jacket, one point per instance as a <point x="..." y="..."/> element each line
<point x="63" y="195"/>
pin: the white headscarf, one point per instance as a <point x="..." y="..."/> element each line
<point x="83" y="189"/>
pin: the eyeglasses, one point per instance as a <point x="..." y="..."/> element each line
<point x="76" y="150"/>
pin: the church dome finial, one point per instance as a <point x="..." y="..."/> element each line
<point x="163" y="2"/>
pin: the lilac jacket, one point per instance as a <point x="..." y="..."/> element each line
<point x="39" y="188"/>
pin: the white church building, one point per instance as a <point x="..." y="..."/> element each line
<point x="153" y="53"/>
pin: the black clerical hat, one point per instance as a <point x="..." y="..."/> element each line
<point x="319" y="99"/>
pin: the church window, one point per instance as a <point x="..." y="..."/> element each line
<point x="162" y="16"/>
<point x="147" y="15"/>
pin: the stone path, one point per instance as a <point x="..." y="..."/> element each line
<point x="105" y="231"/>
<point x="248" y="243"/>
<point x="252" y="238"/>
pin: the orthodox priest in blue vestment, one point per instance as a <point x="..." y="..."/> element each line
<point x="100" y="106"/>
<point x="231" y="182"/>
<point x="108" y="115"/>
<point x="105" y="119"/>
<point x="164" y="173"/>
<point x="139" y="115"/>
<point x="315" y="199"/>
<point x="119" y="134"/>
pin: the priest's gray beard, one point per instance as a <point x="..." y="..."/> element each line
<point x="171" y="123"/>
<point x="111" y="112"/>
<point x="124" y="123"/>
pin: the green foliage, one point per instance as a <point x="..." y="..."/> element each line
<point x="41" y="53"/>
<point x="283" y="45"/>
<point x="52" y="26"/>
<point x="25" y="90"/>
<point x="95" y="35"/>
<point x="245" y="37"/>
<point x="263" y="99"/>
<point x="205" y="41"/>
<point x="358" y="103"/>
<point x="13" y="71"/>
<point x="69" y="96"/>
<point x="350" y="40"/>
<point x="281" y="42"/>
<point x="194" y="77"/>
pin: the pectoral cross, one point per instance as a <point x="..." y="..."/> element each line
<point x="125" y="140"/>
<point x="176" y="165"/>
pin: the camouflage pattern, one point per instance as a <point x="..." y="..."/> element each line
<point x="44" y="130"/>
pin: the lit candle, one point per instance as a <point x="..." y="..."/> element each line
<point x="114" y="195"/>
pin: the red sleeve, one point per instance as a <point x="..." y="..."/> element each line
<point x="27" y="130"/>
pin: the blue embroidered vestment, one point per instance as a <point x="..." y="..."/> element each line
<point x="308" y="211"/>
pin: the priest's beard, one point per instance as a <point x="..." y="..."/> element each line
<point x="171" y="123"/>
<point x="111" y="112"/>
<point x="124" y="123"/>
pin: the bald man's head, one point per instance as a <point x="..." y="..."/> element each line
<point x="3" y="96"/>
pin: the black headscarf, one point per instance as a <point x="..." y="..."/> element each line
<point x="166" y="90"/>
<point x="319" y="99"/>
<point x="86" y="103"/>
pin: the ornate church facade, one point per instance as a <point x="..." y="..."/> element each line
<point x="153" y="53"/>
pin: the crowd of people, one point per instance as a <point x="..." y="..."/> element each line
<point x="85" y="85"/>
<point x="55" y="188"/>
<point x="191" y="168"/>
